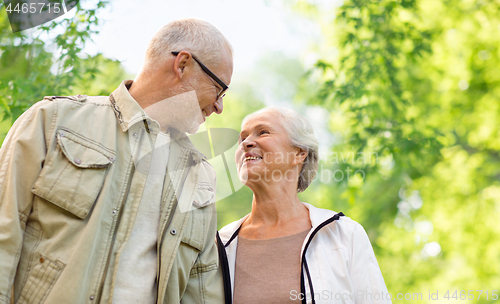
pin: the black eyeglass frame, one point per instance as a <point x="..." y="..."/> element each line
<point x="209" y="73"/>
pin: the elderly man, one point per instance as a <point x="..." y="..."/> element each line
<point x="105" y="199"/>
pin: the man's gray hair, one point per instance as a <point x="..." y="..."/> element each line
<point x="301" y="134"/>
<point x="199" y="37"/>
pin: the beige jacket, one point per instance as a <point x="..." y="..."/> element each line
<point x="66" y="171"/>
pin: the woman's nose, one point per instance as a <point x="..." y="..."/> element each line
<point x="248" y="143"/>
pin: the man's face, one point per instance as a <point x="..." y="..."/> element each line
<point x="208" y="89"/>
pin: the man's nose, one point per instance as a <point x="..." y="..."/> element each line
<point x="218" y="106"/>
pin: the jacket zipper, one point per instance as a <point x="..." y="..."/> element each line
<point x="110" y="251"/>
<point x="304" y="261"/>
<point x="118" y="220"/>
<point x="170" y="217"/>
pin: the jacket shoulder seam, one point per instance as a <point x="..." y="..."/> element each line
<point x="348" y="224"/>
<point x="86" y="103"/>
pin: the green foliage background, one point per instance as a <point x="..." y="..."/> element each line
<point x="49" y="60"/>
<point x="411" y="88"/>
<point x="417" y="83"/>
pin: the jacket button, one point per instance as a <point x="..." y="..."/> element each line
<point x="91" y="298"/>
<point x="173" y="232"/>
<point x="114" y="211"/>
<point x="135" y="134"/>
<point x="78" y="161"/>
<point x="62" y="133"/>
<point x="42" y="259"/>
<point x="112" y="159"/>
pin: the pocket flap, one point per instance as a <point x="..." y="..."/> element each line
<point x="73" y="175"/>
<point x="203" y="196"/>
<point x="81" y="152"/>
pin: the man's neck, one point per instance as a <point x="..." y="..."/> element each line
<point x="178" y="111"/>
<point x="145" y="93"/>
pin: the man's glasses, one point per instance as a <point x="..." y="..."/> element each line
<point x="209" y="73"/>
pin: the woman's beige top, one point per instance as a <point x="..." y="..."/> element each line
<point x="268" y="270"/>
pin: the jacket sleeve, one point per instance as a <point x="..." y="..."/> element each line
<point x="366" y="277"/>
<point x="21" y="159"/>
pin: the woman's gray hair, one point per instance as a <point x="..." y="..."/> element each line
<point x="199" y="37"/>
<point x="301" y="134"/>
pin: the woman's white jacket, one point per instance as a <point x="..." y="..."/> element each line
<point x="338" y="258"/>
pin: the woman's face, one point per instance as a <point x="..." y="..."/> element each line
<point x="264" y="153"/>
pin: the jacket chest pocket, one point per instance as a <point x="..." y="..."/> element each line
<point x="201" y="208"/>
<point x="74" y="174"/>
<point x="195" y="232"/>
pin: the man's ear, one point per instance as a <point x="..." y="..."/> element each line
<point x="182" y="60"/>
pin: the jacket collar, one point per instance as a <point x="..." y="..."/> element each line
<point x="183" y="140"/>
<point x="127" y="110"/>
<point x="316" y="215"/>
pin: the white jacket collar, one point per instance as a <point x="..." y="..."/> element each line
<point x="316" y="215"/>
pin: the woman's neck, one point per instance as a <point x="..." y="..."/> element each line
<point x="275" y="212"/>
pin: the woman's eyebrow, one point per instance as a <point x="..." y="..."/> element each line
<point x="260" y="126"/>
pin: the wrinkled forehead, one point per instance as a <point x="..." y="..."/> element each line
<point x="265" y="118"/>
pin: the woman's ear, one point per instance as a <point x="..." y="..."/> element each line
<point x="300" y="157"/>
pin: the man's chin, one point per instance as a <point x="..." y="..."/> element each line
<point x="193" y="130"/>
<point x="181" y="112"/>
<point x="192" y="126"/>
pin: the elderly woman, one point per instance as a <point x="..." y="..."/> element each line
<point x="287" y="251"/>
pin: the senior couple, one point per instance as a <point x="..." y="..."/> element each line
<point x="105" y="200"/>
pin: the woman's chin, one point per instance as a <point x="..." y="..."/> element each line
<point x="248" y="176"/>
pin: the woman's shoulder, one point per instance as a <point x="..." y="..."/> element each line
<point x="227" y="231"/>
<point x="319" y="216"/>
<point x="342" y="228"/>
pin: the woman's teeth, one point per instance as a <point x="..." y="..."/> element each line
<point x="251" y="158"/>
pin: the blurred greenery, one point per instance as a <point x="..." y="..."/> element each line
<point x="410" y="90"/>
<point x="50" y="60"/>
<point x="416" y="84"/>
